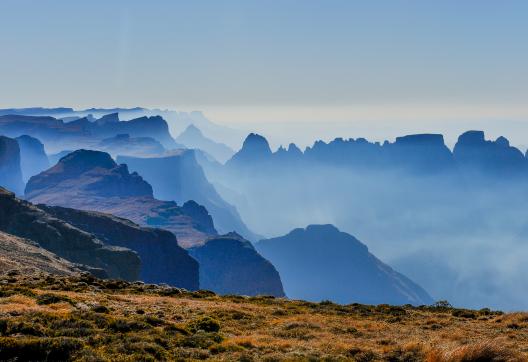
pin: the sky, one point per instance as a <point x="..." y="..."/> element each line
<point x="283" y="66"/>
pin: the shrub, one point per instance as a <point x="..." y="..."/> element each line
<point x="100" y="309"/>
<point x="206" y="324"/>
<point x="50" y="298"/>
<point x="38" y="349"/>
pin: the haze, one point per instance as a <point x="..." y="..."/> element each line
<point x="375" y="69"/>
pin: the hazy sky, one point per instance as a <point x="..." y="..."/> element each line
<point x="271" y="61"/>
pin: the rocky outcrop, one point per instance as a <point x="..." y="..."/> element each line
<point x="27" y="258"/>
<point x="101" y="175"/>
<point x="320" y="262"/>
<point x="421" y="153"/>
<point x="33" y="158"/>
<point x="192" y="137"/>
<point x="255" y="149"/>
<point x="231" y="265"/>
<point x="22" y="219"/>
<point x="179" y="177"/>
<point x="123" y="144"/>
<point x="162" y="259"/>
<point x="91" y="180"/>
<point x="474" y="153"/>
<point x="10" y="172"/>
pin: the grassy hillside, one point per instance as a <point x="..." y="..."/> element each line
<point x="87" y="319"/>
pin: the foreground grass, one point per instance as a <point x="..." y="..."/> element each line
<point x="53" y="318"/>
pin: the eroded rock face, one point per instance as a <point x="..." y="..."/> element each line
<point x="231" y="265"/>
<point x="178" y="176"/>
<point x="33" y="158"/>
<point x="320" y="262"/>
<point x="162" y="259"/>
<point x="10" y="171"/>
<point x="22" y="219"/>
<point x="91" y="180"/>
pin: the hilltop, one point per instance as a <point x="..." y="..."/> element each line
<point x="83" y="318"/>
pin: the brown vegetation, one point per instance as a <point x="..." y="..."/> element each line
<point x="45" y="317"/>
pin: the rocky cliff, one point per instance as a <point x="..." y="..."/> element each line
<point x="162" y="259"/>
<point x="10" y="171"/>
<point x="91" y="180"/>
<point x="320" y="262"/>
<point x="231" y="265"/>
<point x="179" y="177"/>
<point x="33" y="158"/>
<point x="22" y="219"/>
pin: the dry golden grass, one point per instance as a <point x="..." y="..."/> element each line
<point x="100" y="320"/>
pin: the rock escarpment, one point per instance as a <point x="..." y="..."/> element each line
<point x="178" y="176"/>
<point x="10" y="171"/>
<point x="91" y="180"/>
<point x="22" y="219"/>
<point x="162" y="259"/>
<point x="320" y="262"/>
<point x="33" y="158"/>
<point x="231" y="265"/>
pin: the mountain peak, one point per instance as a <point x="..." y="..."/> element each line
<point x="84" y="160"/>
<point x="192" y="130"/>
<point x="256" y="143"/>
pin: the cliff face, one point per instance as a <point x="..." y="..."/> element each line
<point x="33" y="158"/>
<point x="162" y="259"/>
<point x="10" y="172"/>
<point x="179" y="177"/>
<point x="231" y="265"/>
<point x="320" y="262"/>
<point x="91" y="180"/>
<point x="22" y="219"/>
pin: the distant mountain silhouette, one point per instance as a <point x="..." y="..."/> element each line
<point x="91" y="180"/>
<point x="320" y="262"/>
<point x="10" y="171"/>
<point x="123" y="144"/>
<point x="58" y="135"/>
<point x="177" y="176"/>
<point x="255" y="149"/>
<point x="55" y="157"/>
<point x="494" y="158"/>
<point x="177" y="121"/>
<point x="22" y="219"/>
<point x="162" y="259"/>
<point x="192" y="137"/>
<point x="231" y="265"/>
<point x="33" y="158"/>
<point x="405" y="196"/>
